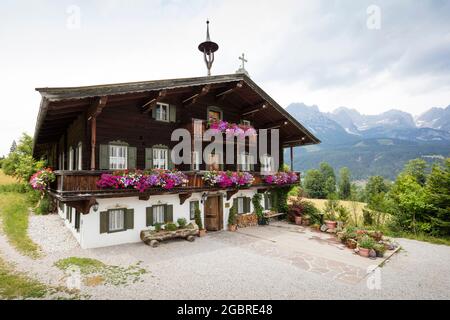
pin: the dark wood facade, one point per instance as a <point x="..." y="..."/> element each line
<point x="98" y="115"/>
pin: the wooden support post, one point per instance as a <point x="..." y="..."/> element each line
<point x="93" y="141"/>
<point x="93" y="112"/>
<point x="292" y="158"/>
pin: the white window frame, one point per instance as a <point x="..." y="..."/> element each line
<point x="246" y="160"/>
<point x="161" y="158"/>
<point x="116" y="220"/>
<point x="267" y="164"/>
<point x="118" y="157"/>
<point x="269" y="201"/>
<point x="159" y="214"/>
<point x="71" y="158"/>
<point x="195" y="165"/>
<point x="240" y="206"/>
<point x="80" y="156"/>
<point x="159" y="115"/>
<point x="246" y="123"/>
<point x="192" y="209"/>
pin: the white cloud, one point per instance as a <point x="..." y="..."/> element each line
<point x="318" y="52"/>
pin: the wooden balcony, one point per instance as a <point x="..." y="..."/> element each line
<point x="78" y="185"/>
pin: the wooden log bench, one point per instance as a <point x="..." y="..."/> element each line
<point x="154" y="238"/>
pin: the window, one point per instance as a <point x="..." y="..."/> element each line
<point x="214" y="114"/>
<point x="162" y="112"/>
<point x="71" y="156"/>
<point x="195" y="165"/>
<point x="160" y="159"/>
<point x="192" y="206"/>
<point x="116" y="220"/>
<point x="268" y="201"/>
<point x="266" y="164"/>
<point x="118" y="156"/>
<point x="240" y="206"/>
<point x="246" y="123"/>
<point x="246" y="162"/>
<point x="158" y="214"/>
<point x="79" y="156"/>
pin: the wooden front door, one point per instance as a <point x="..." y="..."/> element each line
<point x="213" y="213"/>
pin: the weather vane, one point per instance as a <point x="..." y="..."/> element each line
<point x="208" y="48"/>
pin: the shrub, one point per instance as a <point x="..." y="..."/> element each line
<point x="342" y="214"/>
<point x="232" y="216"/>
<point x="158" y="226"/>
<point x="367" y="217"/>
<point x="171" y="226"/>
<point x="182" y="222"/>
<point x="366" y="242"/>
<point x="197" y="216"/>
<point x="14" y="187"/>
<point x="45" y="206"/>
<point x="380" y="249"/>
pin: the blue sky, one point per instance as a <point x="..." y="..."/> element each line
<point x="316" y="52"/>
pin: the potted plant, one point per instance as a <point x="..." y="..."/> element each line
<point x="181" y="223"/>
<point x="306" y="220"/>
<point x="330" y="221"/>
<point x="380" y="249"/>
<point x="232" y="219"/>
<point x="198" y="221"/>
<point x="365" y="245"/>
<point x="298" y="220"/>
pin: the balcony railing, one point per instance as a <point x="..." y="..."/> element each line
<point x="80" y="183"/>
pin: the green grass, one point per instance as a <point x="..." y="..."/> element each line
<point x="15" y="285"/>
<point x="420" y="237"/>
<point x="14" y="215"/>
<point x="96" y="270"/>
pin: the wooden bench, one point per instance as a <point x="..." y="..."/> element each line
<point x="270" y="215"/>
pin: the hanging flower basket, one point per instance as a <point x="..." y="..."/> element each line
<point x="142" y="181"/>
<point x="281" y="178"/>
<point x="41" y="180"/>
<point x="226" y="179"/>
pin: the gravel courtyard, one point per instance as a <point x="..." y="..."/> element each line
<point x="279" y="261"/>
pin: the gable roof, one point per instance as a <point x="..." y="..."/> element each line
<point x="55" y="98"/>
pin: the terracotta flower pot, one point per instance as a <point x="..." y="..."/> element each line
<point x="202" y="232"/>
<point x="364" y="252"/>
<point x="331" y="224"/>
<point x="298" y="220"/>
<point x="306" y="221"/>
<point x="232" y="227"/>
<point x="351" y="244"/>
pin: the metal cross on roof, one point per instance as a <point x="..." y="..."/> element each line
<point x="242" y="58"/>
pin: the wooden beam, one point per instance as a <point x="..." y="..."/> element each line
<point x="92" y="115"/>
<point x="231" y="193"/>
<point x="184" y="197"/>
<point x="144" y="197"/>
<point x="84" y="206"/>
<point x="274" y="125"/>
<point x="239" y="85"/>
<point x="254" y="109"/>
<point x="194" y="99"/>
<point x="97" y="107"/>
<point x="147" y="107"/>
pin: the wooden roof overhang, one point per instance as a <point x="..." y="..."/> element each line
<point x="61" y="106"/>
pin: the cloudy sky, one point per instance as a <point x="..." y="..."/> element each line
<point x="368" y="55"/>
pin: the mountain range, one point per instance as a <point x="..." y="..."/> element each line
<point x="371" y="144"/>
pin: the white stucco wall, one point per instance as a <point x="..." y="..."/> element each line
<point x="89" y="235"/>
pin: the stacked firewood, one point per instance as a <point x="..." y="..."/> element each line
<point x="247" y="220"/>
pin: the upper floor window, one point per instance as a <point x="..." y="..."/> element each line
<point x="71" y="158"/>
<point x="118" y="156"/>
<point x="267" y="165"/>
<point x="214" y="162"/>
<point x="79" y="156"/>
<point x="247" y="123"/>
<point x="246" y="162"/>
<point x="162" y="112"/>
<point x="160" y="158"/>
<point x="214" y="114"/>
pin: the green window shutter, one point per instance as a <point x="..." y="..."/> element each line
<point x="172" y="113"/>
<point x="168" y="213"/>
<point x="149" y="216"/>
<point x="67" y="213"/>
<point x="148" y="158"/>
<point x="235" y="204"/>
<point x="132" y="153"/>
<point x="77" y="220"/>
<point x="104" y="157"/>
<point x="104" y="221"/>
<point x="247" y="204"/>
<point x="154" y="112"/>
<point x="266" y="202"/>
<point x="169" y="159"/>
<point x="129" y="219"/>
<point x="274" y="196"/>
